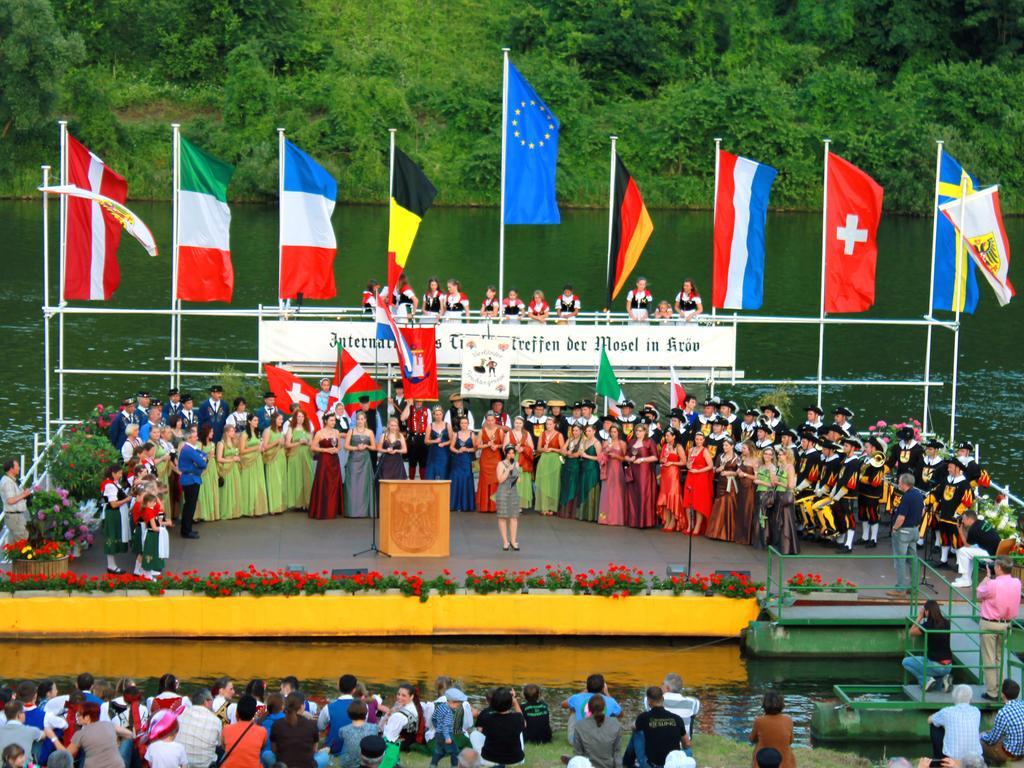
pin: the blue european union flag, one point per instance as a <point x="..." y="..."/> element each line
<point x="956" y="284"/>
<point x="531" y="155"/>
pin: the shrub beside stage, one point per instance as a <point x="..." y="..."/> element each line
<point x="366" y="614"/>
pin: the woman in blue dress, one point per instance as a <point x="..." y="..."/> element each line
<point x="438" y="440"/>
<point x="463" y="449"/>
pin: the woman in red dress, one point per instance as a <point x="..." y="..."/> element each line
<point x="697" y="490"/>
<point x="641" y="483"/>
<point x="489" y="442"/>
<point x="327" y="498"/>
<point x="670" y="497"/>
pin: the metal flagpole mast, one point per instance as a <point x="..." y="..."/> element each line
<point x="611" y="224"/>
<point x="46" y="304"/>
<point x="175" y="188"/>
<point x="504" y="140"/>
<point x="280" y="215"/>
<point x="821" y="308"/>
<point x="931" y="288"/>
<point x="956" y="332"/>
<point x="63" y="261"/>
<point x="391" y="187"/>
<point x="714" y="213"/>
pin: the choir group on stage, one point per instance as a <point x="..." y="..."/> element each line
<point x="747" y="479"/>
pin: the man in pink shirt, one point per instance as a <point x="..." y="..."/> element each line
<point x="999" y="600"/>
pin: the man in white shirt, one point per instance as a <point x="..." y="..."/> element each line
<point x="687" y="707"/>
<point x="15" y="505"/>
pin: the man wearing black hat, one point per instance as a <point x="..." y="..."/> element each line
<point x="952" y="496"/>
<point x="707" y="418"/>
<point x="266" y="413"/>
<point x="933" y="466"/>
<point x="788" y="441"/>
<point x="371" y="751"/>
<point x="749" y="425"/>
<point x="121" y="421"/>
<point x="814" y="414"/>
<point x="775" y="420"/>
<point x="906" y="455"/>
<point x="764" y="437"/>
<point x="142" y="400"/>
<point x="844" y="495"/>
<point x="456" y="411"/>
<point x="649" y="415"/>
<point x="828" y="478"/>
<point x="535" y="421"/>
<point x="173" y="405"/>
<point x="214" y="412"/>
<point x="976" y="475"/>
<point x="808" y="469"/>
<point x="717" y="437"/>
<point x="587" y="413"/>
<point x="843" y="416"/>
<point x="727" y="410"/>
<point x="627" y="419"/>
<point x="870" y="485"/>
<point x="187" y="417"/>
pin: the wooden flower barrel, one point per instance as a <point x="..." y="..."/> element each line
<point x="41" y="567"/>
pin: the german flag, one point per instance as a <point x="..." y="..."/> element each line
<point x="631" y="226"/>
<point x="411" y="196"/>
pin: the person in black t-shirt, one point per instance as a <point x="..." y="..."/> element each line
<point x="502" y="725"/>
<point x="982" y="539"/>
<point x="537" y="715"/>
<point x="656" y="732"/>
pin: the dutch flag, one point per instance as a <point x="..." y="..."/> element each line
<point x="387" y="330"/>
<point x="741" y="207"/>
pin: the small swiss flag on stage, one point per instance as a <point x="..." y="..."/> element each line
<point x="853" y="210"/>
<point x="291" y="390"/>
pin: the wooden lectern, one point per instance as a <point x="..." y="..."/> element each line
<point x="414" y="518"/>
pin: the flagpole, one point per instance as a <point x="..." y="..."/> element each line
<point x="504" y="139"/>
<point x="175" y="188"/>
<point x="280" y="215"/>
<point x="63" y="261"/>
<point x="956" y="332"/>
<point x="931" y="288"/>
<point x="714" y="213"/>
<point x="611" y="223"/>
<point x="821" y="307"/>
<point x="391" y="186"/>
<point x="46" y="304"/>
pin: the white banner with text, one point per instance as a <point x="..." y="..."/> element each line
<point x="532" y="345"/>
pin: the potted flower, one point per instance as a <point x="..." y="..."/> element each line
<point x="53" y="517"/>
<point x="48" y="558"/>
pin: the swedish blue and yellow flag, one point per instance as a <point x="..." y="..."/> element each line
<point x="956" y="284"/>
<point x="531" y="155"/>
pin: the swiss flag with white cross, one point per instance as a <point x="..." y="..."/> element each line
<point x="291" y="390"/>
<point x="854" y="208"/>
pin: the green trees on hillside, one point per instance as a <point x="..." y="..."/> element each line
<point x="882" y="78"/>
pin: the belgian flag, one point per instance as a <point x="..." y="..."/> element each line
<point x="411" y="196"/>
<point x="631" y="227"/>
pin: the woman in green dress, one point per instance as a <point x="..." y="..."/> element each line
<point x="300" y="462"/>
<point x="568" y="496"/>
<point x="589" y="490"/>
<point x="549" y="468"/>
<point x="274" y="459"/>
<point x="229" y="498"/>
<point x="207" y="508"/>
<point x="253" y="478"/>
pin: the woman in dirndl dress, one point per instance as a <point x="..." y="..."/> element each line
<point x="568" y="493"/>
<point x="299" y="460"/>
<point x="207" y="508"/>
<point x="276" y="464"/>
<point x="437" y="440"/>
<point x="117" y="516"/>
<point x="229" y="498"/>
<point x="506" y="499"/>
<point x="253" y="478"/>
<point x="589" y="491"/>
<point x="432" y="302"/>
<point x="722" y="525"/>
<point x="156" y="543"/>
<point x="549" y="468"/>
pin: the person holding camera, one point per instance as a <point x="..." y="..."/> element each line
<point x="506" y="498"/>
<point x="15" y="506"/>
<point x="999" y="604"/>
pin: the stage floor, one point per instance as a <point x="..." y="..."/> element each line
<point x="292" y="538"/>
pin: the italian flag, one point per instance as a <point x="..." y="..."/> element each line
<point x="351" y="382"/>
<point x="608" y="385"/>
<point x="204" y="251"/>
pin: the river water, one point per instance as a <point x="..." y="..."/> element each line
<point x="463" y="243"/>
<point x="729" y="686"/>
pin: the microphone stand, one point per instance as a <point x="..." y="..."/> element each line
<point x="374" y="516"/>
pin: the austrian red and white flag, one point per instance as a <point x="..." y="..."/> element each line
<point x="676" y="390"/>
<point x="291" y="390"/>
<point x="854" y="208"/>
<point x="92" y="234"/>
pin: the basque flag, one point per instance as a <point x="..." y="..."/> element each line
<point x="741" y="209"/>
<point x="308" y="245"/>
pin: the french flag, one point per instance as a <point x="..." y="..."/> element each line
<point x="308" y="245"/>
<point x="388" y="330"/>
<point x="741" y="208"/>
